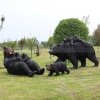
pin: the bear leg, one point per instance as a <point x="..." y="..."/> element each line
<point x="94" y="60"/>
<point x="83" y="62"/>
<point x="50" y="74"/>
<point x="41" y="71"/>
<point x="67" y="71"/>
<point x="62" y="72"/>
<point x="22" y="67"/>
<point x="74" y="61"/>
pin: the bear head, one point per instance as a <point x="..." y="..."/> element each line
<point x="49" y="67"/>
<point x="8" y="52"/>
<point x="58" y="49"/>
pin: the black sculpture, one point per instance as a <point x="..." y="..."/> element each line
<point x="15" y="65"/>
<point x="56" y="68"/>
<point x="32" y="64"/>
<point x="74" y="49"/>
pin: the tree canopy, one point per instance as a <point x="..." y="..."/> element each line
<point x="70" y="27"/>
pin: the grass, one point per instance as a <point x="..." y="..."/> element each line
<point x="80" y="84"/>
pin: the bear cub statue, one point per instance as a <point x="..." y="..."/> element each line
<point x="56" y="68"/>
<point x="32" y="64"/>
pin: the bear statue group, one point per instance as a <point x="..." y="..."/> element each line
<point x="71" y="48"/>
<point x="17" y="64"/>
<point x="74" y="49"/>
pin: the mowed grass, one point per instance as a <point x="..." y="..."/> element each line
<point x="80" y="84"/>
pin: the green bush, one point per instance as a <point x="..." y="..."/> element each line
<point x="70" y="27"/>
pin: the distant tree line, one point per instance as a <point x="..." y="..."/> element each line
<point x="30" y="43"/>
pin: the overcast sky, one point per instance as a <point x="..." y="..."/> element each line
<point x="40" y="17"/>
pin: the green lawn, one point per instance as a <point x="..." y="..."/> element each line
<point x="80" y="84"/>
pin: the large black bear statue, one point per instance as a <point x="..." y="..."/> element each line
<point x="15" y="65"/>
<point x="56" y="68"/>
<point x="74" y="49"/>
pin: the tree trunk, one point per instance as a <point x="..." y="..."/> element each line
<point x="21" y="51"/>
<point x="31" y="53"/>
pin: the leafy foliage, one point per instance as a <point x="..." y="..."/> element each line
<point x="21" y="43"/>
<point x="50" y="41"/>
<point x="31" y="43"/>
<point x="96" y="36"/>
<point x="70" y="27"/>
<point x="11" y="44"/>
<point x="44" y="44"/>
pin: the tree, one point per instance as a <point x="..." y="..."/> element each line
<point x="32" y="42"/>
<point x="37" y="50"/>
<point x="96" y="36"/>
<point x="37" y="47"/>
<point x="90" y="39"/>
<point x="50" y="41"/>
<point x="44" y="44"/>
<point x="70" y="27"/>
<point x="11" y="44"/>
<point x="21" y="44"/>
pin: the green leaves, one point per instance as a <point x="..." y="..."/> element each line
<point x="70" y="27"/>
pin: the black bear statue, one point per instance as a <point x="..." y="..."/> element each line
<point x="56" y="68"/>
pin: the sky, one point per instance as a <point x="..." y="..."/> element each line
<point x="39" y="18"/>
